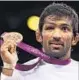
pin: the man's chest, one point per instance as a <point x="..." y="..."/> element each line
<point x="52" y="73"/>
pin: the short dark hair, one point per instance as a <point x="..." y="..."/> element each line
<point x="60" y="10"/>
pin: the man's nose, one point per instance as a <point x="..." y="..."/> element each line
<point x="57" y="34"/>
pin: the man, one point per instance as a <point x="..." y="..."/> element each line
<point x="58" y="32"/>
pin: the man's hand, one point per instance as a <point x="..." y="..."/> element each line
<point x="9" y="56"/>
<point x="8" y="52"/>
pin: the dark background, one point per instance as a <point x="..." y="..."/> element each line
<point x="13" y="17"/>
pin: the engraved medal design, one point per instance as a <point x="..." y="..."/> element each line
<point x="13" y="36"/>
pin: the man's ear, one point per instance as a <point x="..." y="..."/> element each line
<point x="75" y="39"/>
<point x="38" y="36"/>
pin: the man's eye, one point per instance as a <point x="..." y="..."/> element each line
<point x="65" y="29"/>
<point x="49" y="28"/>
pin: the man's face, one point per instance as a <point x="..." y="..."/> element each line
<point x="57" y="36"/>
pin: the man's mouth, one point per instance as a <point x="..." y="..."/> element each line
<point x="56" y="44"/>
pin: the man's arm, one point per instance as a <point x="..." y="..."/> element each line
<point x="7" y="72"/>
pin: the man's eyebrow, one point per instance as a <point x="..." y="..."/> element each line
<point x="50" y="23"/>
<point x="67" y="25"/>
<point x="62" y="24"/>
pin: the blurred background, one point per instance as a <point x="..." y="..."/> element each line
<point x="23" y="17"/>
